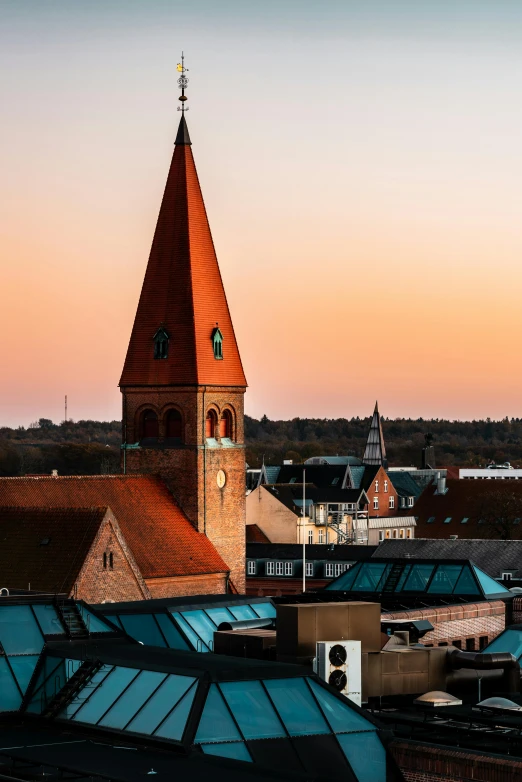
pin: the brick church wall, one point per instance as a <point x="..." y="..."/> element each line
<point x="461" y="623"/>
<point x="183" y="586"/>
<point x="428" y="763"/>
<point x="122" y="582"/>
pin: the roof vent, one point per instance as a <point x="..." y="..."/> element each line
<point x="437" y="698"/>
<point x="499" y="704"/>
<point x="453" y="537"/>
<point x="54" y="473"/>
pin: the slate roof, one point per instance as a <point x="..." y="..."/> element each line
<point x="321" y="475"/>
<point x="182" y="292"/>
<point x="459" y="502"/>
<point x="352" y="460"/>
<point x="492" y="556"/>
<point x="315" y="551"/>
<point x="404" y="484"/>
<point x="163" y="541"/>
<point x="46" y="547"/>
<point x="255" y="535"/>
<point x="291" y="495"/>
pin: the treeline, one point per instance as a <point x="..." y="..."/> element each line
<point x="93" y="447"/>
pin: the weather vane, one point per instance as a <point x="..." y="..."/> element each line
<point x="182" y="81"/>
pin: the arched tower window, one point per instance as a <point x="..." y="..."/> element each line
<point x="210" y="424"/>
<point x="161" y="343"/>
<point x="225" y="424"/>
<point x="217" y="344"/>
<point x="173" y="428"/>
<point x="149" y="425"/>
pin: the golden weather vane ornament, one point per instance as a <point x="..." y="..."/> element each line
<point x="182" y="82"/>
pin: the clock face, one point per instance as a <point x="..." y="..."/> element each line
<point x="221" y="479"/>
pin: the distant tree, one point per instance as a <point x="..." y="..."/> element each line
<point x="500" y="512"/>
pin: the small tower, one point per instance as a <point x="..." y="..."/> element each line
<point x="375" y="451"/>
<point x="183" y="382"/>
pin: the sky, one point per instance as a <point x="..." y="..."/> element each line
<point x="361" y="164"/>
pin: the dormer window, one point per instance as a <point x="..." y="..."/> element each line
<point x="161" y="344"/>
<point x="217" y="344"/>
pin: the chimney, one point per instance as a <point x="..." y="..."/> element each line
<point x="54" y="473"/>
<point x="441" y="483"/>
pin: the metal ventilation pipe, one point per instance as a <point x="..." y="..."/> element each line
<point x="441" y="483"/>
<point x="248" y="624"/>
<point x="488" y="662"/>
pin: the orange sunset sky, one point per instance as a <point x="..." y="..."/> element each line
<point x="361" y="163"/>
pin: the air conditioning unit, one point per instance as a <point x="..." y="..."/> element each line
<point x="339" y="664"/>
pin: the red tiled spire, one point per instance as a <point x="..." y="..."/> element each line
<point x="182" y="292"/>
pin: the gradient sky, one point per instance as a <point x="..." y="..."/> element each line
<point x="361" y="163"/>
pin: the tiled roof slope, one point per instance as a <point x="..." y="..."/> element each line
<point x="183" y="293"/>
<point x="458" y="503"/>
<point x="404" y="484"/>
<point x="46" y="547"/>
<point x="163" y="541"/>
<point x="255" y="535"/>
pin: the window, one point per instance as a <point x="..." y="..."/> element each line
<point x="289" y="568"/>
<point x="217" y="344"/>
<point x="410" y="502"/>
<point x="340" y="568"/>
<point x="321" y="536"/>
<point x="335" y="481"/>
<point x="470" y="644"/>
<point x="251" y="567"/>
<point x="465" y="520"/>
<point x="408" y="533"/>
<point x="507" y="576"/>
<point x="309" y="569"/>
<point x="376" y="486"/>
<point x="385" y="486"/>
<point x="292" y="479"/>
<point x="401" y="533"/>
<point x="161" y="344"/>
<point x="387" y="534"/>
<point x="270" y="568"/>
<point x="394" y="533"/>
<point x="111" y="560"/>
<point x="447" y="520"/>
<point x="376" y="503"/>
<point x="149" y="425"/>
<point x="328" y="570"/>
<point x="402" y="502"/>
<point x="173" y="425"/>
<point x="483" y="641"/>
<point x="105" y="561"/>
<point x="381" y="535"/>
<point x="391" y="502"/>
<point x="210" y="424"/>
<point x="279" y="568"/>
<point x="431" y="520"/>
<point x="457" y="644"/>
<point x="310" y="536"/>
<point x="225" y="424"/>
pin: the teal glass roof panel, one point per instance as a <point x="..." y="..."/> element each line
<point x="19" y="633"/>
<point x="344" y="582"/>
<point x="234" y="749"/>
<point x="150" y="717"/>
<point x="242" y="612"/>
<point x="264" y="610"/>
<point x="216" y="723"/>
<point x="365" y="754"/>
<point x="192" y="637"/>
<point x="296" y="706"/>
<point x="102" y="699"/>
<point x="132" y="699"/>
<point x="489" y="585"/>
<point x="143" y="627"/>
<point x="444" y="579"/>
<point x="48" y="619"/>
<point x="202" y="625"/>
<point x="72" y="707"/>
<point x="252" y="710"/>
<point x="219" y="615"/>
<point x="171" y="632"/>
<point x="10" y="696"/>
<point x="466" y="585"/>
<point x="418" y="578"/>
<point x="23" y="668"/>
<point x="404" y="575"/>
<point x="508" y="641"/>
<point x="50" y="665"/>
<point x="93" y="623"/>
<point x="369" y="577"/>
<point x="342" y="718"/>
<point x="174" y="726"/>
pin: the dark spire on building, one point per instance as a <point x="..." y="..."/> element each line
<point x="375" y="451"/>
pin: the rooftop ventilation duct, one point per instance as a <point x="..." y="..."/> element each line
<point x="437" y="698"/>
<point x="499" y="704"/>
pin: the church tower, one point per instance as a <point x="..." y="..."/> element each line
<point x="183" y="382"/>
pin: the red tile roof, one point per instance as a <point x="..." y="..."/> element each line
<point x="183" y="292"/>
<point x="459" y="502"/>
<point x="45" y="548"/>
<point x="163" y="541"/>
<point x="255" y="535"/>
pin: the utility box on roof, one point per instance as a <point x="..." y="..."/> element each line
<point x="300" y="627"/>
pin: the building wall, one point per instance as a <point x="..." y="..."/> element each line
<point x="471" y="621"/>
<point x="190" y="469"/>
<point x="181" y="586"/>
<point x="428" y="763"/>
<point x="98" y="584"/>
<point x="373" y="534"/>
<point x="278" y="522"/>
<point x="382" y="496"/>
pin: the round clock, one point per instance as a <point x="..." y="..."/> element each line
<point x="221" y="479"/>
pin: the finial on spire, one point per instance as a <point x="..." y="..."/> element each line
<point x="182" y="82"/>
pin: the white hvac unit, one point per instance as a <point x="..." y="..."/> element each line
<point x="339" y="664"/>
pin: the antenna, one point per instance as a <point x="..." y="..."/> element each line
<point x="65" y="408"/>
<point x="182" y="82"/>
